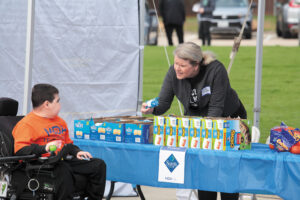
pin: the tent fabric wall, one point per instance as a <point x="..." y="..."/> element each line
<point x="88" y="49"/>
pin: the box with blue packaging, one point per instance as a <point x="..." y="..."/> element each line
<point x="82" y="128"/>
<point x="138" y="132"/>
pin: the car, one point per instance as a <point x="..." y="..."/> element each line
<point x="287" y="18"/>
<point x="229" y="16"/>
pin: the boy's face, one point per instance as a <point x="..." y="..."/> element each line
<point x="54" y="106"/>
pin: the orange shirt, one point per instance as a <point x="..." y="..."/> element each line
<point x="33" y="129"/>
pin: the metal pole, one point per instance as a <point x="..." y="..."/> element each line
<point x="274" y="7"/>
<point x="141" y="55"/>
<point x="299" y="27"/>
<point x="258" y="62"/>
<point x="29" y="56"/>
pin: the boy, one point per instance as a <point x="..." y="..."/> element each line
<point x="40" y="129"/>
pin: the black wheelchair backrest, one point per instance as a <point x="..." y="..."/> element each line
<point x="7" y="123"/>
<point x="8" y="120"/>
<point x="8" y="106"/>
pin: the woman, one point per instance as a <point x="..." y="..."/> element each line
<point x="205" y="15"/>
<point x="201" y="84"/>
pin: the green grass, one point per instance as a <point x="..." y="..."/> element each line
<point x="191" y="24"/>
<point x="280" y="96"/>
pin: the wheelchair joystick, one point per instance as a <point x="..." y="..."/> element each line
<point x="52" y="149"/>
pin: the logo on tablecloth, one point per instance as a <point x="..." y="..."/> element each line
<point x="171" y="163"/>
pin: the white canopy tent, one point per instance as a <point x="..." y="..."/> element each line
<point x="78" y="43"/>
<point x="92" y="51"/>
<point x="258" y="62"/>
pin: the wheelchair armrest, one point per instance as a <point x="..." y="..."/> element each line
<point x="63" y="154"/>
<point x="16" y="158"/>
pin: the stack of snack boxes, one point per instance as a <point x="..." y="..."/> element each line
<point x="128" y="129"/>
<point x="203" y="133"/>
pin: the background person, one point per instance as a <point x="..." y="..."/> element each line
<point x="204" y="17"/>
<point x="201" y="84"/>
<point x="40" y="129"/>
<point x="173" y="14"/>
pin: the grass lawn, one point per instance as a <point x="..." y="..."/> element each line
<point x="280" y="96"/>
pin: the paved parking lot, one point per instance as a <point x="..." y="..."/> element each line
<point x="270" y="39"/>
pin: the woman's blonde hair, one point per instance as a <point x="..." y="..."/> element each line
<point x="193" y="53"/>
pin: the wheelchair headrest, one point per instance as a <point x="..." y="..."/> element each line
<point x="8" y="107"/>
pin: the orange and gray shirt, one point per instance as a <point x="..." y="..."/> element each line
<point x="33" y="132"/>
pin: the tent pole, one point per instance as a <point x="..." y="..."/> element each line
<point x="141" y="55"/>
<point x="28" y="57"/>
<point x="258" y="62"/>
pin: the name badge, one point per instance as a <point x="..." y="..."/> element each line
<point x="205" y="91"/>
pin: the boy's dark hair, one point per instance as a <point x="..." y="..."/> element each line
<point x="41" y="93"/>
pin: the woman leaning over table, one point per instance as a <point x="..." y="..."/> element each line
<point x="201" y="84"/>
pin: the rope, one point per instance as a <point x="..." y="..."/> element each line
<point x="237" y="40"/>
<point x="166" y="53"/>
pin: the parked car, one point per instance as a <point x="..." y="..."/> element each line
<point x="229" y="16"/>
<point x="287" y="18"/>
<point x="151" y="26"/>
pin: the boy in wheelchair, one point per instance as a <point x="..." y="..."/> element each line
<point x="43" y="129"/>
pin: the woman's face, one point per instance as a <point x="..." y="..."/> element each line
<point x="184" y="69"/>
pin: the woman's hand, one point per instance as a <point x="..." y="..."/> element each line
<point x="83" y="155"/>
<point x="146" y="110"/>
<point x="201" y="10"/>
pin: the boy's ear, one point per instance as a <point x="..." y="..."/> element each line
<point x="45" y="104"/>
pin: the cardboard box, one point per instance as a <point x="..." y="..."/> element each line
<point x="159" y="131"/>
<point x="195" y="132"/>
<point x="218" y="138"/>
<point x="232" y="134"/>
<point x="94" y="135"/>
<point x="206" y="134"/>
<point x="137" y="132"/>
<point x="246" y="136"/>
<point x="171" y="131"/>
<point x="118" y="130"/>
<point x="82" y="129"/>
<point x="183" y="132"/>
<point x="101" y="134"/>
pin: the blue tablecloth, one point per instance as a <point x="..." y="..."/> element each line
<point x="259" y="170"/>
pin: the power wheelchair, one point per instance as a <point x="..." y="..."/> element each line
<point x="41" y="179"/>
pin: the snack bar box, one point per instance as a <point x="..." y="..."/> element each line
<point x="82" y="129"/>
<point x="171" y="131"/>
<point x="138" y="132"/>
<point x="159" y="133"/>
<point x="195" y="132"/>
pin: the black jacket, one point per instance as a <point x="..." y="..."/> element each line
<point x="209" y="7"/>
<point x="172" y="11"/>
<point x="216" y="97"/>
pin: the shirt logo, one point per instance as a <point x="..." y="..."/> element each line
<point x="55" y="130"/>
<point x="206" y="91"/>
<point x="194" y="98"/>
<point x="171" y="163"/>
